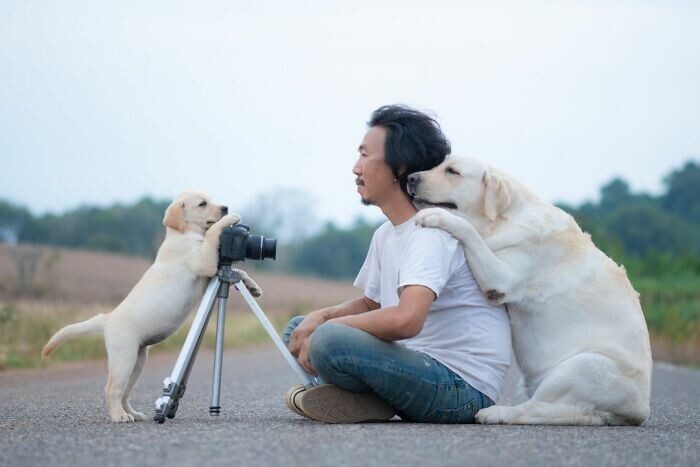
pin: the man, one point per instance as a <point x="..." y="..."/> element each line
<point x="422" y="342"/>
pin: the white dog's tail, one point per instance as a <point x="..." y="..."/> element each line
<point x="94" y="324"/>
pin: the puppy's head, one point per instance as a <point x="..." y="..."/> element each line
<point x="465" y="186"/>
<point x="193" y="210"/>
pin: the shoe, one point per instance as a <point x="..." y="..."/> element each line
<point x="332" y="404"/>
<point x="289" y="399"/>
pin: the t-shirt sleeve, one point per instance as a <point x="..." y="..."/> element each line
<point x="369" y="277"/>
<point x="429" y="260"/>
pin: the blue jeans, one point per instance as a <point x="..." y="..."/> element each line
<point x="420" y="388"/>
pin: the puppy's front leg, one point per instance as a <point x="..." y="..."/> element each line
<point x="250" y="284"/>
<point x="495" y="278"/>
<point x="206" y="257"/>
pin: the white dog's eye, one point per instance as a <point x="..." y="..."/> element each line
<point x="452" y="171"/>
<point x="202" y="204"/>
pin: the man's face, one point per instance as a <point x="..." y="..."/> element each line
<point x="374" y="176"/>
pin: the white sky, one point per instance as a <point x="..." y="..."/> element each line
<point x="109" y="101"/>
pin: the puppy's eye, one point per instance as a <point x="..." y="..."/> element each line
<point x="452" y="171"/>
<point x="202" y="204"/>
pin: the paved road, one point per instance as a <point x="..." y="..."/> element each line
<point x="57" y="417"/>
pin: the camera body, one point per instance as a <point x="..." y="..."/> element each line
<point x="236" y="244"/>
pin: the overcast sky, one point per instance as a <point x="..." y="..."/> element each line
<point x="109" y="101"/>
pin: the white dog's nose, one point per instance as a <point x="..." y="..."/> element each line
<point x="413" y="181"/>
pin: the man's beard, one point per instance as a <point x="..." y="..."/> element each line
<point x="364" y="201"/>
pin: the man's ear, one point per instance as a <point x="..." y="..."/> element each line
<point x="496" y="195"/>
<point x="175" y="216"/>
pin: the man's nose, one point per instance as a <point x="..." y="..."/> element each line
<point x="357" y="168"/>
<point x="224" y="210"/>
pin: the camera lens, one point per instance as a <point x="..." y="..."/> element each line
<point x="259" y="247"/>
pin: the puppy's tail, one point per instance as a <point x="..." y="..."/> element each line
<point x="94" y="324"/>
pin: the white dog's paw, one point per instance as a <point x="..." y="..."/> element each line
<point x="432" y="217"/>
<point x="496" y="414"/>
<point x="120" y="416"/>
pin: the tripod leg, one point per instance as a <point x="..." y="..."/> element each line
<point x="305" y="379"/>
<point x="174" y="385"/>
<point x="215" y="408"/>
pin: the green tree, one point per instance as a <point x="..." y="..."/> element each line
<point x="13" y="219"/>
<point x="683" y="192"/>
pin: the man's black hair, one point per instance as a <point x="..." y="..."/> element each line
<point x="414" y="140"/>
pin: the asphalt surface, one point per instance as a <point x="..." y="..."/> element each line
<point x="57" y="417"/>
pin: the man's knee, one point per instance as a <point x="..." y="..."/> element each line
<point x="330" y="342"/>
<point x="290" y="327"/>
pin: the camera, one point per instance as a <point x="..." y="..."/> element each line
<point x="236" y="244"/>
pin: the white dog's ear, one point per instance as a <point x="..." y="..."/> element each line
<point x="496" y="195"/>
<point x="175" y="217"/>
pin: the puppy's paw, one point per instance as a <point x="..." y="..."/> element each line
<point x="254" y="289"/>
<point x="139" y="416"/>
<point x="230" y="219"/>
<point x="250" y="284"/>
<point x="120" y="416"/>
<point x="431" y="217"/>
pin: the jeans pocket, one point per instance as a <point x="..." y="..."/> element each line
<point x="461" y="414"/>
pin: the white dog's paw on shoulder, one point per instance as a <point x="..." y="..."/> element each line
<point x="432" y="217"/>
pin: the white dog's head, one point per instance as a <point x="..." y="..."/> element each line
<point x="463" y="185"/>
<point x="193" y="210"/>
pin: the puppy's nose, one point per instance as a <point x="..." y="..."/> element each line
<point x="224" y="210"/>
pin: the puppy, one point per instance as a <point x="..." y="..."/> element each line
<point x="578" y="330"/>
<point x="159" y="303"/>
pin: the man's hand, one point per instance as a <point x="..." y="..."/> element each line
<point x="300" y="339"/>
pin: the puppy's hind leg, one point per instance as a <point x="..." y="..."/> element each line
<point x="140" y="363"/>
<point x="122" y="355"/>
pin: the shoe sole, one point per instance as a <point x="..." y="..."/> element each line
<point x="331" y="404"/>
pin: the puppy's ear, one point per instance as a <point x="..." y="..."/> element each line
<point x="496" y="195"/>
<point x="175" y="216"/>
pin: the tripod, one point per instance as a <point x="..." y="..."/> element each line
<point x="174" y="385"/>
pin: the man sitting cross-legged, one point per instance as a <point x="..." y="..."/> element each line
<point x="422" y="342"/>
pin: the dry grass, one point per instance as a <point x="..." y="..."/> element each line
<point x="72" y="285"/>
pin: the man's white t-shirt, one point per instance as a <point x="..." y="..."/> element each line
<point x="462" y="331"/>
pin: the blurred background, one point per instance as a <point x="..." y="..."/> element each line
<point x="109" y="109"/>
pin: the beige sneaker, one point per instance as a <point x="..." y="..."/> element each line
<point x="289" y="399"/>
<point x="331" y="404"/>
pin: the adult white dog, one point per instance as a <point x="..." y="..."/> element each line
<point x="159" y="303"/>
<point x="578" y="330"/>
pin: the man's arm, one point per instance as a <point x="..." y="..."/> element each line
<point x="397" y="322"/>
